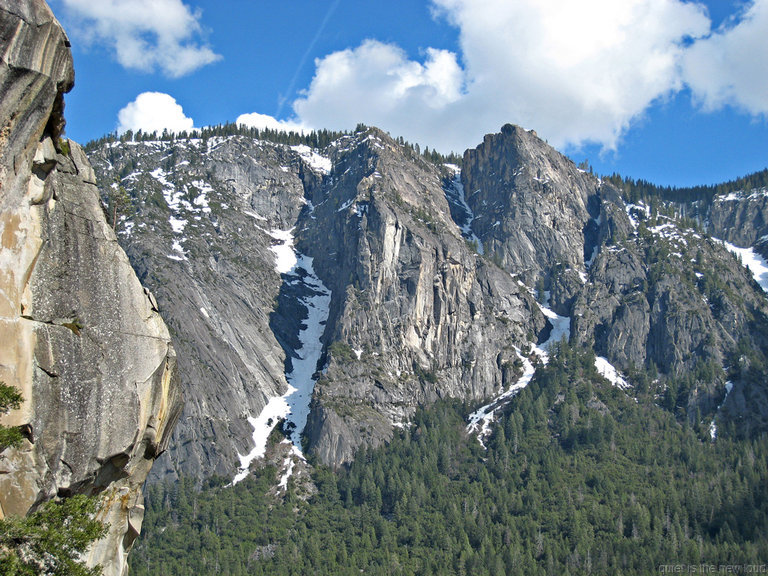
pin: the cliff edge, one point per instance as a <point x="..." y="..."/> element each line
<point x="79" y="336"/>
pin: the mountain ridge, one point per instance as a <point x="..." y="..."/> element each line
<point x="388" y="234"/>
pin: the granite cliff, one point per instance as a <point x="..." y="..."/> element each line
<point x="417" y="314"/>
<point x="414" y="313"/>
<point x="644" y="290"/>
<point x="375" y="282"/>
<point x="81" y="338"/>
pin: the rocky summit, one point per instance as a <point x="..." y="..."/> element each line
<point x="323" y="288"/>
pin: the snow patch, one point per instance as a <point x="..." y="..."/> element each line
<point x="127" y="226"/>
<point x="588" y="263"/>
<point x="202" y="198"/>
<point x="293" y="406"/>
<point x="288" y="465"/>
<point x="743" y="195"/>
<point x="346" y="205"/>
<point x="609" y="372"/>
<point x="317" y="162"/>
<point x="481" y="419"/>
<point x="639" y="208"/>
<point x="713" y="424"/>
<point x="178" y="250"/>
<point x="253" y="214"/>
<point x="285" y="255"/>
<point x="177" y="224"/>
<point x="756" y="263"/>
<point x="561" y="328"/>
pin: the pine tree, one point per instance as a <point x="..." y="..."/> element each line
<point x="10" y="399"/>
<point x="51" y="540"/>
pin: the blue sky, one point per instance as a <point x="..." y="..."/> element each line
<point x="672" y="91"/>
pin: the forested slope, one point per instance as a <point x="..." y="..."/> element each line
<point x="577" y="478"/>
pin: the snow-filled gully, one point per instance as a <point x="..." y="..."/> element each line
<point x="293" y="406"/>
<point x="481" y="419"/>
<point x="456" y="191"/>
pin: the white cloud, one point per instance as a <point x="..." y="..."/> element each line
<point x="574" y="71"/>
<point x="577" y="72"/>
<point x="145" y="34"/>
<point x="263" y="121"/>
<point x="731" y="66"/>
<point x="153" y="111"/>
<point x="377" y="84"/>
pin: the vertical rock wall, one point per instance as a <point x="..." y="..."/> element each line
<point x="79" y="336"/>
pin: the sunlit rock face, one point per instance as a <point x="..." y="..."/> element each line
<point x="81" y="338"/>
<point x="433" y="274"/>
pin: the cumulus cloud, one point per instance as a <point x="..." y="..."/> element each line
<point x="730" y="67"/>
<point x="263" y="121"/>
<point x="574" y="71"/>
<point x="577" y="72"/>
<point x="145" y="35"/>
<point x="377" y="84"/>
<point x="153" y="111"/>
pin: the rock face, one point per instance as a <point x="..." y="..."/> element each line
<point x="199" y="231"/>
<point x="538" y="216"/>
<point x="81" y="338"/>
<point x="432" y="274"/>
<point x="740" y="218"/>
<point x="645" y="292"/>
<point x="669" y="297"/>
<point x="416" y="314"/>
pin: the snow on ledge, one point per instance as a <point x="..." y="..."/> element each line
<point x="317" y="162"/>
<point x="756" y="263"/>
<point x="607" y="371"/>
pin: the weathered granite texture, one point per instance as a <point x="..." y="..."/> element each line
<point x="79" y="335"/>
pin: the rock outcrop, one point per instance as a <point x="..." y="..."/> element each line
<point x="739" y="218"/>
<point x="537" y="215"/>
<point x="645" y="292"/>
<point x="432" y="275"/>
<point x="81" y="338"/>
<point x="669" y="297"/>
<point x="416" y="313"/>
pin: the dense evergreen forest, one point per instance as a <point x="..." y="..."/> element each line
<point x="578" y="477"/>
<point x="637" y="190"/>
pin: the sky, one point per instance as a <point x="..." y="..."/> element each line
<point x="670" y="91"/>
